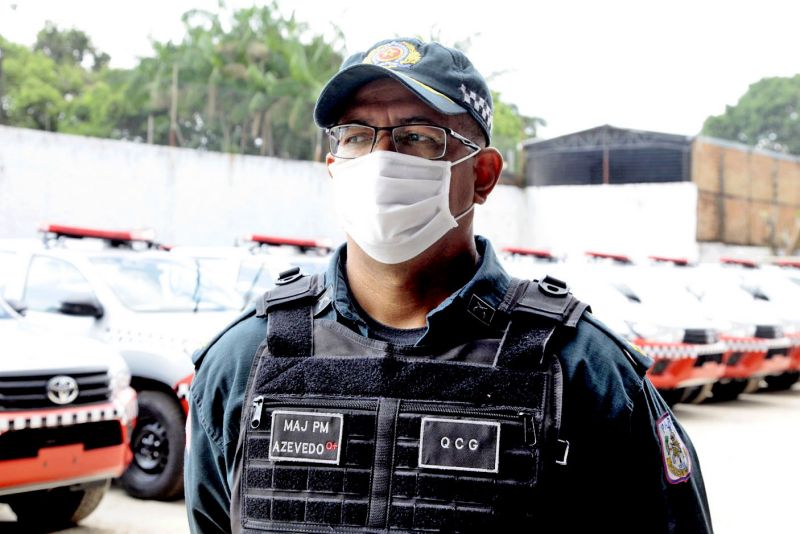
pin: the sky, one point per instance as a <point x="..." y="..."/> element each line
<point x="659" y="66"/>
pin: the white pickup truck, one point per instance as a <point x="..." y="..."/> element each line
<point x="66" y="415"/>
<point x="154" y="307"/>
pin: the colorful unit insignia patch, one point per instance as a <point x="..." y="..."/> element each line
<point x="677" y="463"/>
<point x="394" y="54"/>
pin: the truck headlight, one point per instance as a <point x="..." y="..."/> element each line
<point x="654" y="332"/>
<point x="119" y="378"/>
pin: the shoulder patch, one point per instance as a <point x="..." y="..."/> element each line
<point x="677" y="462"/>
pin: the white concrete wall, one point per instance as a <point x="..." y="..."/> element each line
<point x="191" y="197"/>
<point x="632" y="219"/>
<point x="186" y="196"/>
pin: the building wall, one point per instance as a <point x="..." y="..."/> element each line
<point x="745" y="196"/>
<point x="191" y="198"/>
<point x="187" y="196"/>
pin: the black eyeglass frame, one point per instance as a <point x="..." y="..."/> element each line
<point x="375" y="129"/>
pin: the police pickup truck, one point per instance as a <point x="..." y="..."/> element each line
<point x="156" y="308"/>
<point x="66" y="413"/>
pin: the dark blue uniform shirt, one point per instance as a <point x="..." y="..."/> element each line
<point x="631" y="467"/>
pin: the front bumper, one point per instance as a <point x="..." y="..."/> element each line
<point x="48" y="448"/>
<point x="755" y="357"/>
<point x="682" y="365"/>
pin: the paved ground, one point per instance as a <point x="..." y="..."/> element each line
<point x="748" y="449"/>
<point x="750" y="453"/>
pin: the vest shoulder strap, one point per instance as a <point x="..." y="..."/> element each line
<point x="290" y="329"/>
<point x="291" y="290"/>
<point x="552" y="299"/>
<point x="541" y="309"/>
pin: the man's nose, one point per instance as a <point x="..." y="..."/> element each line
<point x="383" y="141"/>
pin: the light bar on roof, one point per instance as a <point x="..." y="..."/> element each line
<point x="539" y="253"/>
<point x="287" y="241"/>
<point x="789" y="263"/>
<point x="79" y="232"/>
<point x="666" y="259"/>
<point x="739" y="261"/>
<point x="620" y="258"/>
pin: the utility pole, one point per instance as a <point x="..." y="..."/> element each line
<point x="2" y="92"/>
<point x="606" y="168"/>
<point x="173" y="108"/>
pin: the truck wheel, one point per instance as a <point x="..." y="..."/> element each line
<point x="60" y="507"/>
<point x="728" y="391"/>
<point x="672" y="396"/>
<point x="782" y="381"/>
<point x="157" y="442"/>
<point x="697" y="394"/>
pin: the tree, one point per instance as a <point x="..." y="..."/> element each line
<point x="509" y="129"/>
<point x="69" y="46"/>
<point x="31" y="95"/>
<point x="242" y="81"/>
<point x="766" y="116"/>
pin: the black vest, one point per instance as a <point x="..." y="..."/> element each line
<point x="342" y="433"/>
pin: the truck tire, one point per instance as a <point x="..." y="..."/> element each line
<point x="672" y="396"/>
<point x="157" y="442"/>
<point x="697" y="394"/>
<point x="729" y="390"/>
<point x="60" y="507"/>
<point x="782" y="381"/>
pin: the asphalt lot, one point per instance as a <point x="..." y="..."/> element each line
<point x="748" y="450"/>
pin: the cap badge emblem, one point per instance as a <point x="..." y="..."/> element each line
<point x="394" y="54"/>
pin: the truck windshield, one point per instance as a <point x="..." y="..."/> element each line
<point x="162" y="285"/>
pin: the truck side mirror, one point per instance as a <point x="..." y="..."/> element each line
<point x="17" y="306"/>
<point x="81" y="306"/>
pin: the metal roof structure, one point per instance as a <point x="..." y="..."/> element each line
<point x="608" y="155"/>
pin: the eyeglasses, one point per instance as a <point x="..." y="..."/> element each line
<point x="349" y="141"/>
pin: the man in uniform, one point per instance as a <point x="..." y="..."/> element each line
<point x="416" y="386"/>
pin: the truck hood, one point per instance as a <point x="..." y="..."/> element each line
<point x="28" y="348"/>
<point x="177" y="334"/>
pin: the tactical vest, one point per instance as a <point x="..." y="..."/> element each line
<point x="342" y="433"/>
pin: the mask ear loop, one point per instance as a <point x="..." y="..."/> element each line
<point x="471" y="206"/>
<point x="465" y="158"/>
<point x="465" y="212"/>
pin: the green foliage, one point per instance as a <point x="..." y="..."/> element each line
<point x="509" y="129"/>
<point x="766" y="116"/>
<point x="245" y="82"/>
<point x="242" y="81"/>
<point x="69" y="46"/>
<point x="48" y="88"/>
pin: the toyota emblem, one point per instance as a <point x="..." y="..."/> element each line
<point x="62" y="389"/>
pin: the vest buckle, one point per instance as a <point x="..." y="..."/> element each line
<point x="553" y="287"/>
<point x="288" y="276"/>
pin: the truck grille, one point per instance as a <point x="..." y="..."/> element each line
<point x="29" y="391"/>
<point x="700" y="336"/>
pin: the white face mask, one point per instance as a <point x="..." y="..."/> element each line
<point x="394" y="206"/>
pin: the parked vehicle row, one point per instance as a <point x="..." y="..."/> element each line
<point x="714" y="331"/>
<point x="117" y="316"/>
<point x="150" y="307"/>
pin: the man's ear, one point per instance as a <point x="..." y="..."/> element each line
<point x="328" y="160"/>
<point x="488" y="166"/>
